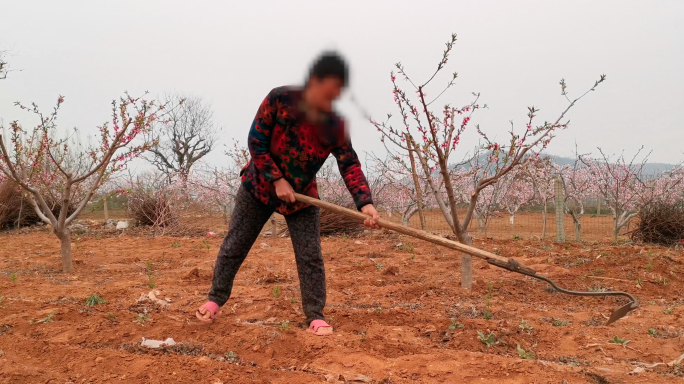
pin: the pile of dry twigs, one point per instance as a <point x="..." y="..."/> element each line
<point x="16" y="210"/>
<point x="333" y="224"/>
<point x="660" y="223"/>
<point x="151" y="208"/>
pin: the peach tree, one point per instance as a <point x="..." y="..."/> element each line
<point x="433" y="137"/>
<point x="41" y="164"/>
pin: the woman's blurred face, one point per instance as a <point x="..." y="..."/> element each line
<point x="322" y="92"/>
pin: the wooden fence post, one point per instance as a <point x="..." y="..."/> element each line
<point x="560" y="211"/>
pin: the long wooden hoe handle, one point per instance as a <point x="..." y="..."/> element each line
<point x="417" y="233"/>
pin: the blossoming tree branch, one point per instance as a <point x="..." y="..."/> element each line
<point x="41" y="164"/>
<point x="433" y="137"/>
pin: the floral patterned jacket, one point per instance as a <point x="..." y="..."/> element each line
<point x="282" y="143"/>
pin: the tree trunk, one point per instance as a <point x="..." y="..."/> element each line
<point x="226" y="215"/>
<point x="407" y="215"/>
<point x="416" y="183"/>
<point x="578" y="230"/>
<point x="421" y="214"/>
<point x="621" y="222"/>
<point x="543" y="236"/>
<point x="598" y="205"/>
<point x="512" y="219"/>
<point x="65" y="247"/>
<point x="106" y="209"/>
<point x="21" y="209"/>
<point x="616" y="222"/>
<point x="466" y="263"/>
<point x="480" y="224"/>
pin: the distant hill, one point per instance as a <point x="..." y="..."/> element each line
<point x="649" y="168"/>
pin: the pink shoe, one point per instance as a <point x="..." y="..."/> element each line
<point x="320" y="328"/>
<point x="211" y="307"/>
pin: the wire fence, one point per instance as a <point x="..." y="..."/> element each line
<point x="524" y="225"/>
<point x="529" y="223"/>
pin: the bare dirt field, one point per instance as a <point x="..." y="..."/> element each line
<point x="398" y="311"/>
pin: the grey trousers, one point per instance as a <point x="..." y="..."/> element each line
<point x="249" y="217"/>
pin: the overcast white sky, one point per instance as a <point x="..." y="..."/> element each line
<point x="232" y="53"/>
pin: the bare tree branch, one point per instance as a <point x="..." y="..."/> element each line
<point x="4" y="64"/>
<point x="187" y="136"/>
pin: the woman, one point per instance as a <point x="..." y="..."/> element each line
<point x="293" y="133"/>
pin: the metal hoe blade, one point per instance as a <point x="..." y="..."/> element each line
<point x="616" y="315"/>
<point x="622" y="311"/>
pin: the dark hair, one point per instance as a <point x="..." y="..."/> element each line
<point x="329" y="64"/>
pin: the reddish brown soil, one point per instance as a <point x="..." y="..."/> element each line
<point x="392" y="314"/>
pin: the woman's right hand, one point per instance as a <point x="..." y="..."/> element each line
<point x="284" y="190"/>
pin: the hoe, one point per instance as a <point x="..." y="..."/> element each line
<point x="499" y="261"/>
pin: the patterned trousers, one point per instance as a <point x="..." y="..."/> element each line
<point x="248" y="218"/>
